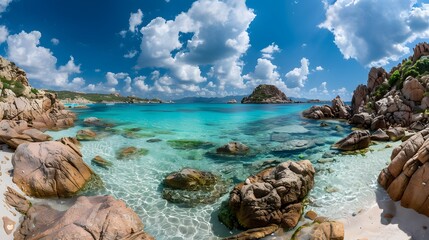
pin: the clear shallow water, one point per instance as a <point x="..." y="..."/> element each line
<point x="342" y="187"/>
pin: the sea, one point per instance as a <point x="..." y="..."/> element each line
<point x="344" y="183"/>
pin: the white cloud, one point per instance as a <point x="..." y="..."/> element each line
<point x="97" y="70"/>
<point x="91" y="87"/>
<point x="135" y="20"/>
<point x="3" y="33"/>
<point x="218" y="38"/>
<point x="113" y="78"/>
<point x="123" y="33"/>
<point x="131" y="54"/>
<point x="377" y="37"/>
<point x="139" y="83"/>
<point x="342" y="92"/>
<point x="298" y="76"/>
<point x="4" y="4"/>
<point x="319" y="68"/>
<point x="270" y="50"/>
<point x="39" y="62"/>
<point x="55" y="41"/>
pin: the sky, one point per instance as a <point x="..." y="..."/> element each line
<point x="209" y="48"/>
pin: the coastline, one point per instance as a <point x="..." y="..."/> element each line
<point x="6" y="181"/>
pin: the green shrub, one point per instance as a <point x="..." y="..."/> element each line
<point x="35" y="91"/>
<point x="394" y="78"/>
<point x="381" y="90"/>
<point x="411" y="72"/>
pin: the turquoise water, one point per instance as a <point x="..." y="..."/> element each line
<point x="342" y="186"/>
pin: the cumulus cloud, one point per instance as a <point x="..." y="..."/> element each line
<point x="269" y="51"/>
<point x="377" y="37"/>
<point x="3" y="34"/>
<point x="39" y="62"/>
<point x="139" y="83"/>
<point x="4" y="4"/>
<point x="298" y="76"/>
<point x="131" y="54"/>
<point x="135" y="20"/>
<point x="55" y="41"/>
<point x="218" y="37"/>
<point x="319" y="68"/>
<point x="112" y="79"/>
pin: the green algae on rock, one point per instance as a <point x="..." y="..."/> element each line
<point x="184" y="144"/>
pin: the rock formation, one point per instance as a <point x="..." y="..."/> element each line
<point x="50" y="169"/>
<point x="405" y="179"/>
<point x="99" y="217"/>
<point x="9" y="71"/>
<point x="273" y="196"/>
<point x="337" y="110"/>
<point x="233" y="148"/>
<point x="14" y="133"/>
<point x="266" y="94"/>
<point x="354" y="141"/>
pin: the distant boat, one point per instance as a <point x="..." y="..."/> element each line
<point x="232" y="101"/>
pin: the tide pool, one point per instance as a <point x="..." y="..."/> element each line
<point x="343" y="184"/>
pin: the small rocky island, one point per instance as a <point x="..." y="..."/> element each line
<point x="266" y="94"/>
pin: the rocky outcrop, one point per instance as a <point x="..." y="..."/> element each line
<point x="327" y="230"/>
<point x="266" y="94"/>
<point x="99" y="217"/>
<point x="9" y="71"/>
<point x="14" y="133"/>
<point x="376" y="77"/>
<point x="233" y="148"/>
<point x="380" y="135"/>
<point x="191" y="187"/>
<point x="273" y="196"/>
<point x="337" y="110"/>
<point x="413" y="90"/>
<point x="50" y="169"/>
<point x="356" y="140"/>
<point x="405" y="179"/>
<point x="421" y="49"/>
<point x="360" y="98"/>
<point x="395" y="134"/>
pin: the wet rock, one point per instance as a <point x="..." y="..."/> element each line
<point x="101" y="162"/>
<point x="255" y="233"/>
<point x="183" y="144"/>
<point x="91" y="120"/>
<point x="86" y="135"/>
<point x="131" y="152"/>
<point x="273" y="196"/>
<point x="154" y="140"/>
<point x="380" y="135"/>
<point x="191" y="187"/>
<point x="324" y="124"/>
<point x="50" y="169"/>
<point x="294" y="146"/>
<point x="396" y="133"/>
<point x="97" y="217"/>
<point x="311" y="215"/>
<point x="329" y="230"/>
<point x="233" y="148"/>
<point x="356" y="140"/>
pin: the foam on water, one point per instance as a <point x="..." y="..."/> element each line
<point x="262" y="127"/>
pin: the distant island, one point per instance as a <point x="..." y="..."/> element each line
<point x="85" y="98"/>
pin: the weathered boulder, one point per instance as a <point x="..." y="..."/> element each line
<point x="340" y="110"/>
<point x="233" y="148"/>
<point x="378" y="123"/>
<point x="318" y="112"/>
<point x="98" y="217"/>
<point x="101" y="162"/>
<point x="396" y="133"/>
<point x="14" y="133"/>
<point x="406" y="176"/>
<point x="425" y="103"/>
<point x="9" y="71"/>
<point x="191" y="187"/>
<point x="356" y="140"/>
<point x="363" y="120"/>
<point x="413" y="89"/>
<point x="17" y="201"/>
<point x="255" y="233"/>
<point x="380" y="135"/>
<point x="86" y="135"/>
<point x="273" y="196"/>
<point x="376" y="77"/>
<point x="50" y="169"/>
<point x="359" y="98"/>
<point x="131" y="152"/>
<point x="327" y="230"/>
<point x="266" y="94"/>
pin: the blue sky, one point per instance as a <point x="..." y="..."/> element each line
<point x="175" y="48"/>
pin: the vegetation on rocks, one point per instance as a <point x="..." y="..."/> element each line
<point x="98" y="97"/>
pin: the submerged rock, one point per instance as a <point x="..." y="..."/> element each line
<point x="329" y="230"/>
<point x="356" y="140"/>
<point x="154" y="140"/>
<point x="233" y="148"/>
<point x="183" y="144"/>
<point x="50" y="169"/>
<point x="130" y="152"/>
<point x="98" y="217"/>
<point x="273" y="196"/>
<point x="255" y="233"/>
<point x="192" y="187"/>
<point x="294" y="146"/>
<point x="86" y="135"/>
<point x="266" y="94"/>
<point x="101" y="162"/>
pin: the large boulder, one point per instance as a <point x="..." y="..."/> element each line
<point x="318" y="112"/>
<point x="9" y="71"/>
<point x="340" y="109"/>
<point x="396" y="133"/>
<point x="14" y="133"/>
<point x="97" y="217"/>
<point x="327" y="230"/>
<point x="405" y="179"/>
<point x="190" y="179"/>
<point x="86" y="135"/>
<point x="50" y="169"/>
<point x="380" y="135"/>
<point x="413" y="89"/>
<point x="376" y="77"/>
<point x="266" y="94"/>
<point x="273" y="196"/>
<point x="356" y="140"/>
<point x="359" y="98"/>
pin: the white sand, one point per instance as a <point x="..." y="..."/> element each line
<point x="5" y="181"/>
<point x="375" y="223"/>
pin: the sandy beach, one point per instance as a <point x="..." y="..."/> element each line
<point x="5" y="181"/>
